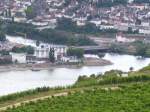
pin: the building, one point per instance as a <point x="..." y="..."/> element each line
<point x="145" y="23"/>
<point x="121" y="27"/>
<point x="59" y="51"/>
<point x="5" y="59"/>
<point x="106" y="27"/>
<point x="122" y="38"/>
<point x="145" y="30"/>
<point x="40" y="7"/>
<point x="30" y="59"/>
<point x="42" y="51"/>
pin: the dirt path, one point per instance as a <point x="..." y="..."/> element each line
<point x="33" y="100"/>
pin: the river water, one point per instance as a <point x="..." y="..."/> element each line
<point x="16" y="81"/>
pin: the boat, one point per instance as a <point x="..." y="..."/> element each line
<point x="35" y="70"/>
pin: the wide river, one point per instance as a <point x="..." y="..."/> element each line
<point x="16" y="81"/>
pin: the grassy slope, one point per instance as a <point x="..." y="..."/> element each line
<point x="144" y="71"/>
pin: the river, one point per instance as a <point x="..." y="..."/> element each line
<point x="16" y="81"/>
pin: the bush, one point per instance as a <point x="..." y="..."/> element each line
<point x="26" y="49"/>
<point x="2" y="36"/>
<point x="75" y="52"/>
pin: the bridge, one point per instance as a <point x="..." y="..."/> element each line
<point x="102" y="48"/>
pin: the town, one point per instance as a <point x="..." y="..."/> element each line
<point x="74" y="55"/>
<point x="45" y="13"/>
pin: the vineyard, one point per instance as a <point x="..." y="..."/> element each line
<point x="131" y="98"/>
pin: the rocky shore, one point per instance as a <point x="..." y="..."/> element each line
<point x="96" y="62"/>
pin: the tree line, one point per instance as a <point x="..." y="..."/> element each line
<point x="48" y="35"/>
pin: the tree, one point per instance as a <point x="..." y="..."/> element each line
<point x="140" y="48"/>
<point x="30" y="12"/>
<point x="29" y="50"/>
<point x="75" y="52"/>
<point x="130" y="30"/>
<point x="24" y="49"/>
<point x="3" y="52"/>
<point x="2" y="36"/>
<point x="37" y="43"/>
<point x="48" y="35"/>
<point x="51" y="55"/>
<point x="131" y="68"/>
<point x="9" y="12"/>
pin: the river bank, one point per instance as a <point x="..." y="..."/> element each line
<point x="49" y="66"/>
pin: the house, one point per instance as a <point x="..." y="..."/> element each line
<point x="145" y="23"/>
<point x="30" y="59"/>
<point x="121" y="27"/>
<point x="18" y="57"/>
<point x="42" y="51"/>
<point x="106" y="27"/>
<point x="59" y="51"/>
<point x="145" y="30"/>
<point x="97" y="22"/>
<point x="20" y="19"/>
<point x="5" y="59"/>
<point x="138" y="6"/>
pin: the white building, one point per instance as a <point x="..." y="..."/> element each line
<point x="121" y="38"/>
<point x="121" y="27"/>
<point x="107" y="26"/>
<point x="42" y="51"/>
<point x="96" y="22"/>
<point x="144" y="30"/>
<point x="20" y="19"/>
<point x="145" y="23"/>
<point x="139" y="6"/>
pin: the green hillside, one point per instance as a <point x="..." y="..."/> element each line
<point x="131" y="98"/>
